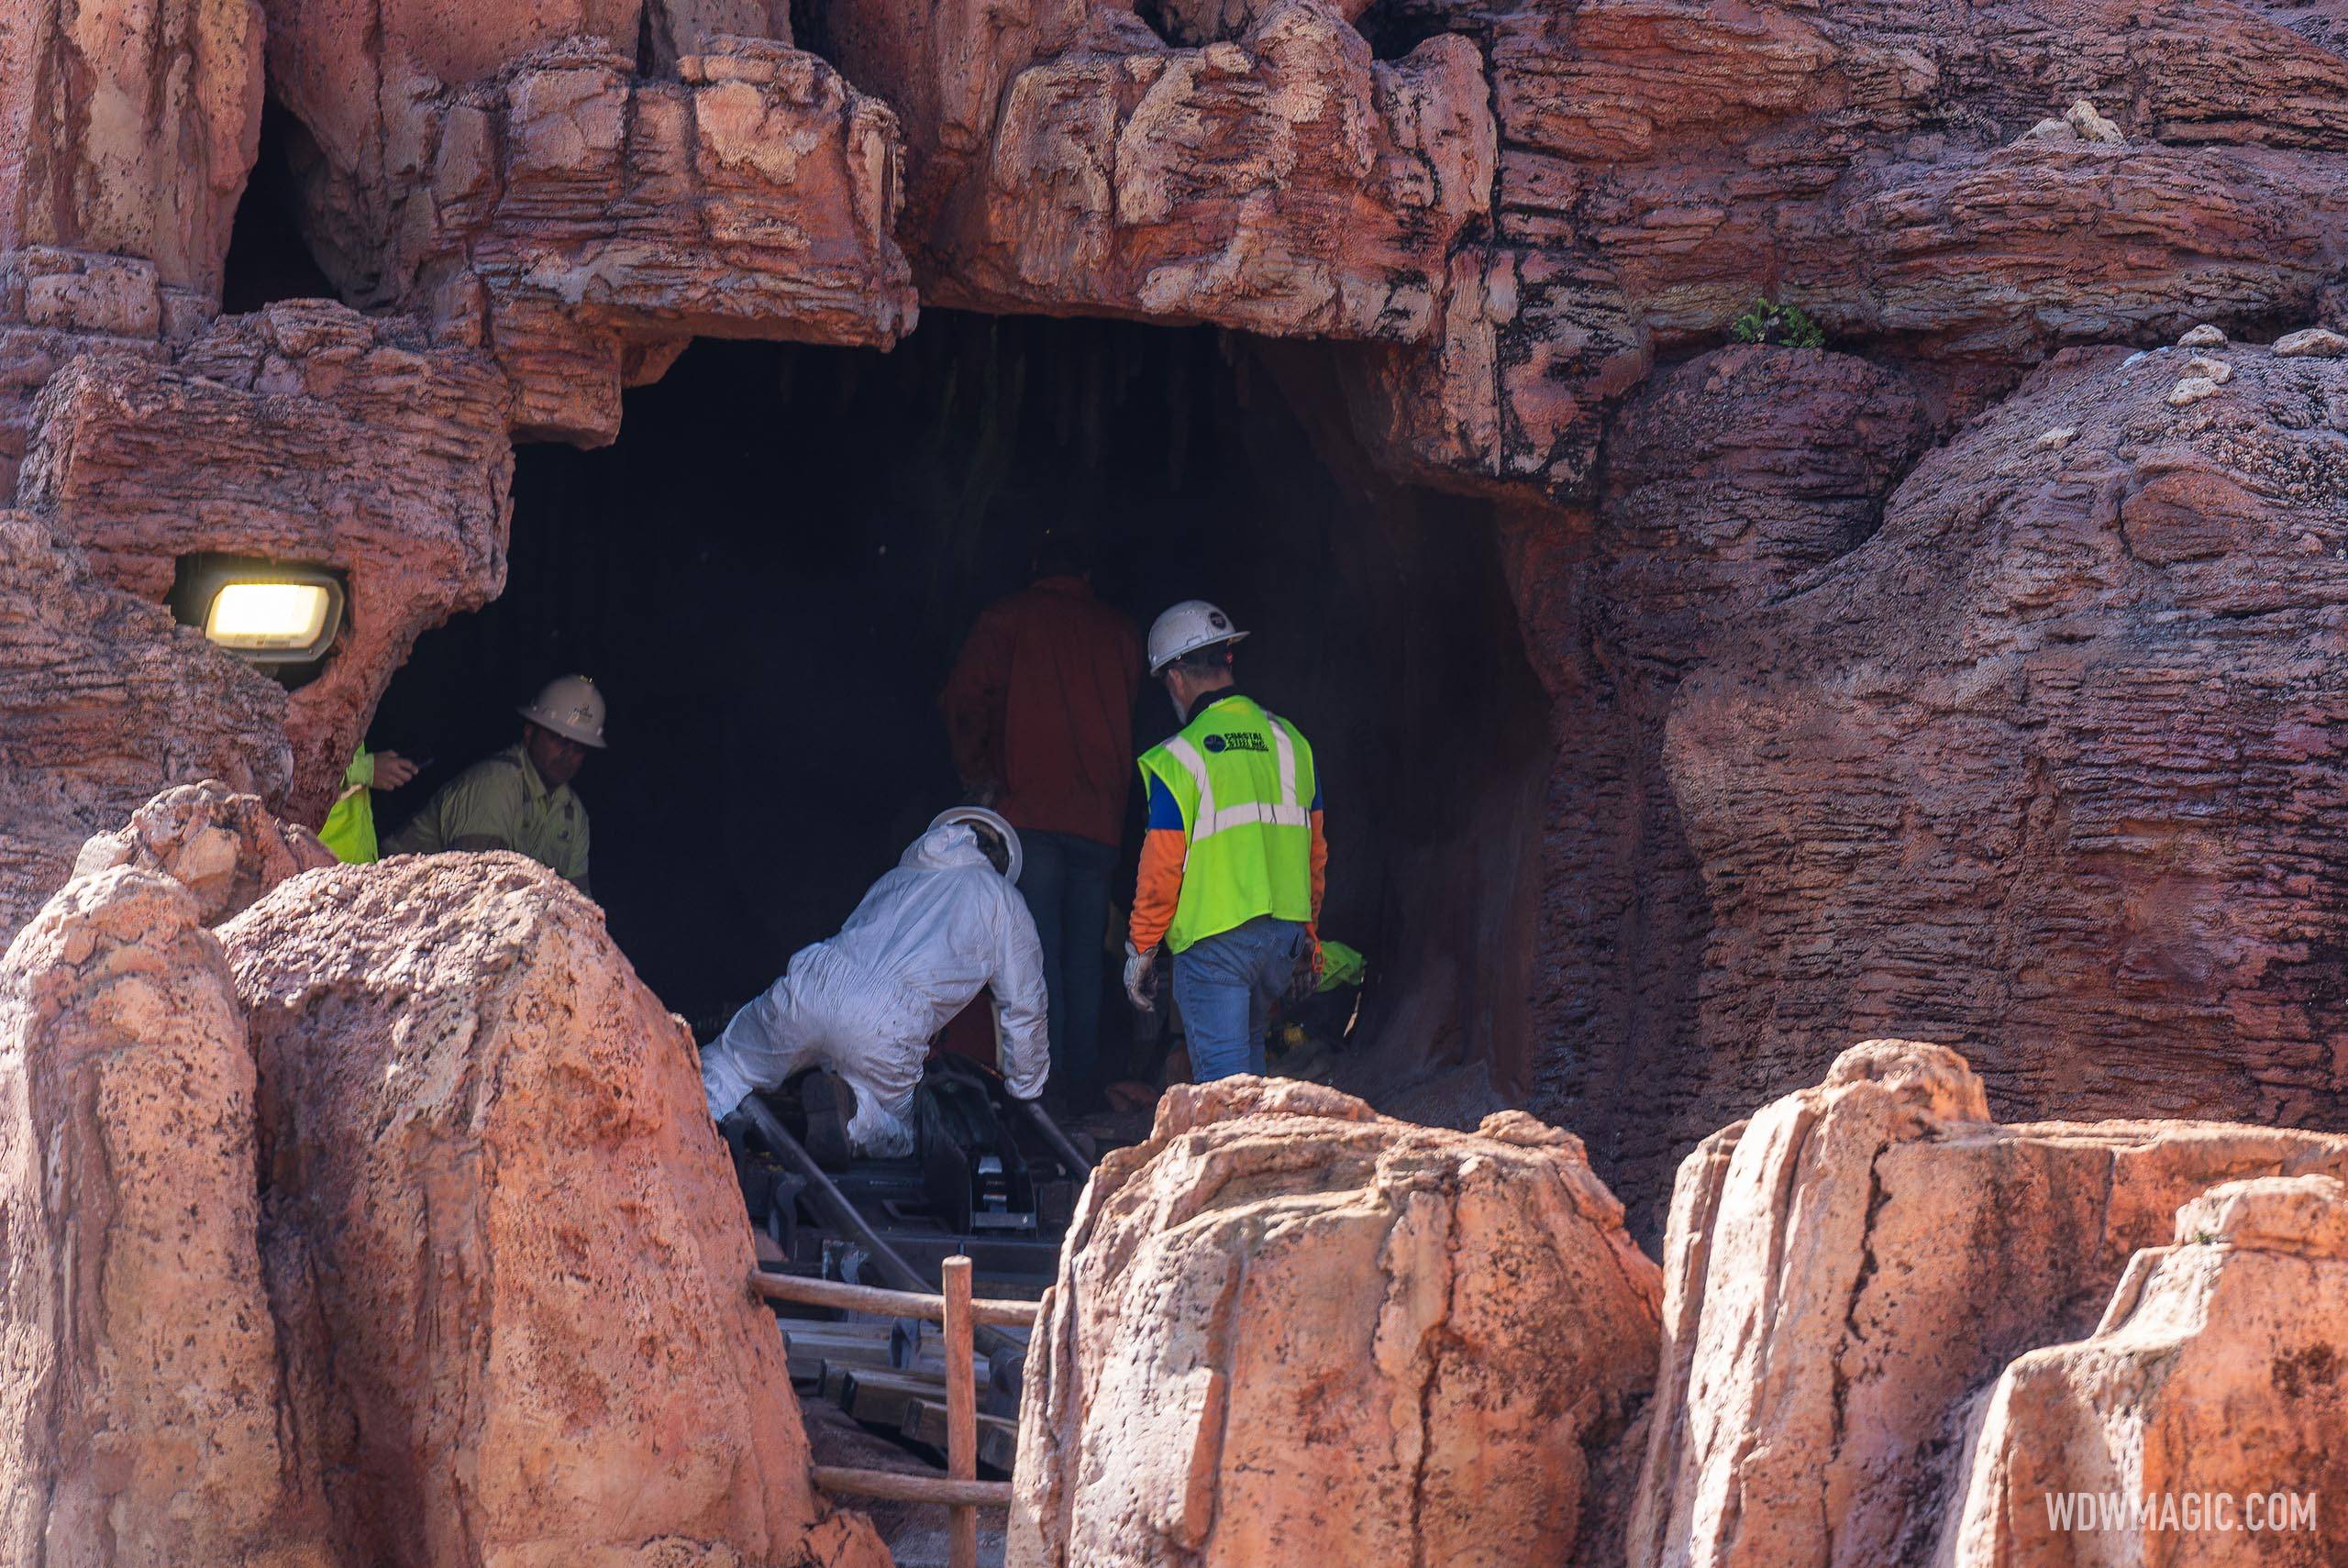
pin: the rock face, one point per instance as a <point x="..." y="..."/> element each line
<point x="1731" y="482"/>
<point x="103" y="701"/>
<point x="142" y="1416"/>
<point x="1287" y="1329"/>
<point x="505" y="1244"/>
<point x="2041" y="763"/>
<point x="533" y="197"/>
<point x="1851" y="1272"/>
<point x="485" y="1301"/>
<point x="1281" y="182"/>
<point x="2033" y="745"/>
<point x="126" y="129"/>
<point x="582" y="225"/>
<point x="2211" y="1390"/>
<point x="1667" y="163"/>
<point x="224" y="848"/>
<point x="304" y="433"/>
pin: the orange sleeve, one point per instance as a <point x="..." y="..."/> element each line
<point x="1319" y="877"/>
<point x="1158" y="888"/>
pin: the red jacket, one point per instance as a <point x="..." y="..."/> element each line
<point x="1041" y="702"/>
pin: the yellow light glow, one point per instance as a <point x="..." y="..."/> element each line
<point x="268" y="615"/>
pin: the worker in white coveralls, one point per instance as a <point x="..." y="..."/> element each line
<point x="946" y="925"/>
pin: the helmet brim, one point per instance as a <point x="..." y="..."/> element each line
<point x="568" y="732"/>
<point x="1159" y="667"/>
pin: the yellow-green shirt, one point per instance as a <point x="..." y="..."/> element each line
<point x="503" y="798"/>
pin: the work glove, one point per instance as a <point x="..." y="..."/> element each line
<point x="1139" y="982"/>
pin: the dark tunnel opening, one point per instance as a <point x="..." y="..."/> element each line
<point x="268" y="259"/>
<point x="771" y="573"/>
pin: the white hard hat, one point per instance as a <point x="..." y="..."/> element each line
<point x="572" y="707"/>
<point x="980" y="815"/>
<point x="1192" y="624"/>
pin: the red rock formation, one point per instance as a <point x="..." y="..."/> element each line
<point x="1667" y="162"/>
<point x="301" y="433"/>
<point x="224" y="848"/>
<point x="2048" y="762"/>
<point x="1287" y="1329"/>
<point x="504" y="1238"/>
<point x="142" y="1415"/>
<point x="2212" y="1393"/>
<point x="586" y="224"/>
<point x="533" y="197"/>
<point x="127" y="130"/>
<point x="1731" y="481"/>
<point x="57" y="305"/>
<point x="103" y="702"/>
<point x="1281" y="182"/>
<point x="1851" y="1271"/>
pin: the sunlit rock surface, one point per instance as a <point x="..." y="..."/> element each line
<point x="1287" y="1329"/>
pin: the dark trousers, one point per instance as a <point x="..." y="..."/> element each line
<point x="1066" y="884"/>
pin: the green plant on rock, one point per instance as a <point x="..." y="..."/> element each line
<point x="1787" y="326"/>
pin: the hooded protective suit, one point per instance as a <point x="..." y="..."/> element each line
<point x="929" y="936"/>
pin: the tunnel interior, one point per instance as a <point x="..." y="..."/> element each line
<point x="770" y="572"/>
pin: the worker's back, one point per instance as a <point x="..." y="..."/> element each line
<point x="1041" y="702"/>
<point x="937" y="924"/>
<point x="1241" y="785"/>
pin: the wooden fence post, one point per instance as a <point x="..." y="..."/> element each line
<point x="961" y="1412"/>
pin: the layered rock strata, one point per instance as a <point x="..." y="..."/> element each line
<point x="304" y="433"/>
<point x="1286" y="1328"/>
<point x="1853" y="1271"/>
<point x="105" y="700"/>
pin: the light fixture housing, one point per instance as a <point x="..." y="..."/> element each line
<point x="264" y="610"/>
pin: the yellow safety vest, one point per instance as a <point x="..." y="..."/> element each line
<point x="1244" y="782"/>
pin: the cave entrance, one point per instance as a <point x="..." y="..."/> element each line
<point x="770" y="572"/>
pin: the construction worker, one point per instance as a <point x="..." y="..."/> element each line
<point x="520" y="799"/>
<point x="946" y="925"/>
<point x="1039" y="708"/>
<point x="349" y="827"/>
<point x="1234" y="862"/>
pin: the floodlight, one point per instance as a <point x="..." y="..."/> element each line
<point x="264" y="610"/>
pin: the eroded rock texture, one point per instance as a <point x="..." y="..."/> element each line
<point x="102" y="701"/>
<point x="1883" y="165"/>
<point x="1731" y="481"/>
<point x="127" y="130"/>
<point x="504" y="1242"/>
<point x="2048" y="761"/>
<point x="303" y="433"/>
<point x="1281" y="182"/>
<point x="521" y="185"/>
<point x="224" y="848"/>
<point x="56" y="306"/>
<point x="1286" y="1328"/>
<point x="142" y="1413"/>
<point x="1849" y="1273"/>
<point x="2213" y="1391"/>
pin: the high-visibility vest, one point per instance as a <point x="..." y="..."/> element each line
<point x="349" y="827"/>
<point x="1244" y="782"/>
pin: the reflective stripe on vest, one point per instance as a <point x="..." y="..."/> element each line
<point x="1243" y="858"/>
<point x="1209" y="819"/>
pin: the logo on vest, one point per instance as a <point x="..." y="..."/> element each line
<point x="1242" y="741"/>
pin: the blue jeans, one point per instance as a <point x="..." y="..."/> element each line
<point x="1226" y="985"/>
<point x="1066" y="884"/>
